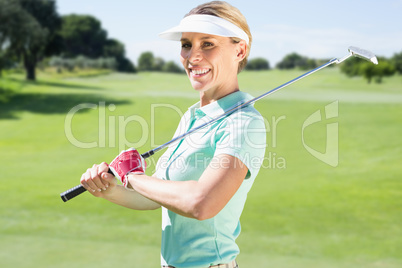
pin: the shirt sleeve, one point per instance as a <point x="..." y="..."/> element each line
<point x="243" y="135"/>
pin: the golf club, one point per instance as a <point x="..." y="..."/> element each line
<point x="353" y="51"/>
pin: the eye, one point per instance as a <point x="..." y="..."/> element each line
<point x="207" y="44"/>
<point x="185" y="45"/>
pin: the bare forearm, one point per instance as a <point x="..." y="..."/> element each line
<point x="129" y="198"/>
<point x="201" y="199"/>
<point x="179" y="197"/>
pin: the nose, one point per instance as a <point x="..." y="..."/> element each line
<point x="194" y="55"/>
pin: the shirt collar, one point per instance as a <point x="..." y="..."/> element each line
<point x="219" y="107"/>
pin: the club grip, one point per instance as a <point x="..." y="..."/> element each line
<point x="73" y="192"/>
<point x="79" y="189"/>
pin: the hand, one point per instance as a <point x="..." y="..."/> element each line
<point x="126" y="162"/>
<point x="97" y="180"/>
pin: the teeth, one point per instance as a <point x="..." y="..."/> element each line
<point x="200" y="71"/>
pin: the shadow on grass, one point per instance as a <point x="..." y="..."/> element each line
<point x="50" y="103"/>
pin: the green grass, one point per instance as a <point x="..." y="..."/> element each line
<point x="300" y="213"/>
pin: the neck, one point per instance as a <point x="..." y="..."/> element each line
<point x="211" y="95"/>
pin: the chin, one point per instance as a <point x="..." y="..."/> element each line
<point x="198" y="86"/>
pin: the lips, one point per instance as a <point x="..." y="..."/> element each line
<point x="199" y="71"/>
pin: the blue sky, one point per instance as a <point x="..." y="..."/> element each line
<point x="314" y="28"/>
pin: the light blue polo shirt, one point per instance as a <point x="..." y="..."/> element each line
<point x="189" y="242"/>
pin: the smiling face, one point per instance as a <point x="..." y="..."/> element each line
<point x="211" y="62"/>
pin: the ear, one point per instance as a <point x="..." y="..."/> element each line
<point x="241" y="50"/>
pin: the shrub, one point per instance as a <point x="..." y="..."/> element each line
<point x="257" y="64"/>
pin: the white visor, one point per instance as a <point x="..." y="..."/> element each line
<point x="207" y="24"/>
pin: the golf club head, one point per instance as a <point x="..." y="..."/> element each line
<point x="364" y="54"/>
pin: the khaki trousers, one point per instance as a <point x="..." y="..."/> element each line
<point x="232" y="264"/>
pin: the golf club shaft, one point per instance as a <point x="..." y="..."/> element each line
<point x="79" y="189"/>
<point x="240" y="106"/>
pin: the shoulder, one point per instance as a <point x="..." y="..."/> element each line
<point x="243" y="119"/>
<point x="242" y="129"/>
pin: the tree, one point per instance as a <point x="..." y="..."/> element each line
<point x="28" y="31"/>
<point x="292" y="61"/>
<point x="310" y="64"/>
<point x="113" y="48"/>
<point x="360" y="67"/>
<point x="125" y="65"/>
<point x="257" y="64"/>
<point x="82" y="35"/>
<point x="158" y="64"/>
<point x="47" y="40"/>
<point x="397" y="62"/>
<point x="367" y="70"/>
<point x="15" y="24"/>
<point x="351" y="67"/>
<point x="172" y="67"/>
<point x="146" y="61"/>
<point x="384" y="68"/>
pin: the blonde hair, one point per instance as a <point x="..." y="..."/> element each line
<point x="228" y="12"/>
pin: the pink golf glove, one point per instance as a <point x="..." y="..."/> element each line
<point x="126" y="162"/>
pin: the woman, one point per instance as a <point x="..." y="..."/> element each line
<point x="202" y="182"/>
